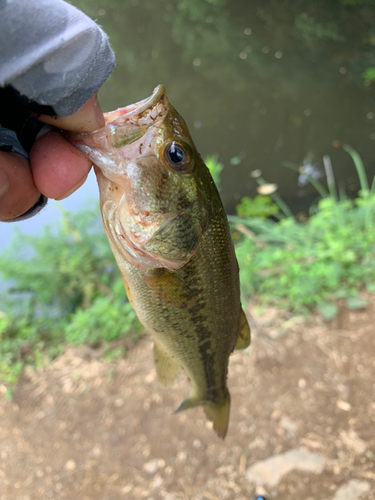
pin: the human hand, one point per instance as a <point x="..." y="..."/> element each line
<point x="53" y="60"/>
<point x="55" y="169"/>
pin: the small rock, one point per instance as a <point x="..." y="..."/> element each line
<point x="302" y="383"/>
<point x="270" y="471"/>
<point x="352" y="490"/>
<point x="288" y="426"/>
<point x="96" y="451"/>
<point x="181" y="457"/>
<point x="168" y="470"/>
<point x="343" y="405"/>
<point x="353" y="442"/>
<point x="344" y="391"/>
<point x="127" y="488"/>
<point x="151" y="467"/>
<point x="257" y="443"/>
<point x="157" y="482"/>
<point x="260" y="491"/>
<point x="70" y="465"/>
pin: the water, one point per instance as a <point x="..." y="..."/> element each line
<point x="51" y="213"/>
<point x="258" y="83"/>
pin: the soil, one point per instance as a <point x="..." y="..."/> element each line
<point x="90" y="429"/>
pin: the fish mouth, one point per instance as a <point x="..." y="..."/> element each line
<point x="137" y="108"/>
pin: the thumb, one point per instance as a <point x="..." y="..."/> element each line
<point x="87" y="119"/>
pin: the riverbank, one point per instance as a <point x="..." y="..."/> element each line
<point x="302" y="421"/>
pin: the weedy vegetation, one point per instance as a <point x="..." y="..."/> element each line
<point x="302" y="266"/>
<point x="63" y="286"/>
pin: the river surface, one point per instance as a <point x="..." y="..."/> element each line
<point x="258" y="83"/>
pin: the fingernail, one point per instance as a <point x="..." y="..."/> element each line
<point x="87" y="119"/>
<point x="98" y="113"/>
<point x="77" y="186"/>
<point x="4" y="183"/>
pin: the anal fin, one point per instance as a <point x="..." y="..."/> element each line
<point x="166" y="367"/>
<point x="244" y="335"/>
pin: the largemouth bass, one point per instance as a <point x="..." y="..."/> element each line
<point x="169" y="234"/>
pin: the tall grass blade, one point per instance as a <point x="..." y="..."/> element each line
<point x="359" y="166"/>
<point x="270" y="231"/>
<point x="283" y="206"/>
<point x="330" y="177"/>
<point x="342" y="193"/>
<point x="277" y="199"/>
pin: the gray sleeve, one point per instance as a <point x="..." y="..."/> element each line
<point x="9" y="142"/>
<point x="52" y="53"/>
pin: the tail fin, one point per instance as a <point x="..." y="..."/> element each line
<point x="218" y="413"/>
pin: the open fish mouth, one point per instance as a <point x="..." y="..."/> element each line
<point x="124" y="127"/>
<point x="137" y="108"/>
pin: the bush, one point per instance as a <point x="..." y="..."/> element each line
<point x="301" y="266"/>
<point x="63" y="286"/>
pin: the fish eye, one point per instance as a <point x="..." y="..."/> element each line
<point x="177" y="156"/>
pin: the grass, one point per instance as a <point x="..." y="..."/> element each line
<point x="313" y="264"/>
<point x="64" y="286"/>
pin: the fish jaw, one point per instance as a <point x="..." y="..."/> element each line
<point x="153" y="216"/>
<point x="114" y="146"/>
<point x="128" y="244"/>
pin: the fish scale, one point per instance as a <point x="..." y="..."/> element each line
<point x="169" y="234"/>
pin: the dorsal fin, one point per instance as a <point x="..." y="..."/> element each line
<point x="244" y="335"/>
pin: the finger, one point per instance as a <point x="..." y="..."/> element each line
<point x="58" y="168"/>
<point x="86" y="119"/>
<point x="17" y="189"/>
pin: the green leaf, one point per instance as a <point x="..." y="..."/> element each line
<point x="117" y="352"/>
<point x="260" y="206"/>
<point x="356" y="303"/>
<point x="368" y="75"/>
<point x="215" y="168"/>
<point x="328" y="310"/>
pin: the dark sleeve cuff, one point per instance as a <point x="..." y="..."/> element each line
<point x="9" y="142"/>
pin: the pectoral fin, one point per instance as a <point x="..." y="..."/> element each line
<point x="170" y="288"/>
<point x="166" y="367"/>
<point x="244" y="335"/>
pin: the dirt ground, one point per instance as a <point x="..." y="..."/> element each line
<point x="88" y="429"/>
